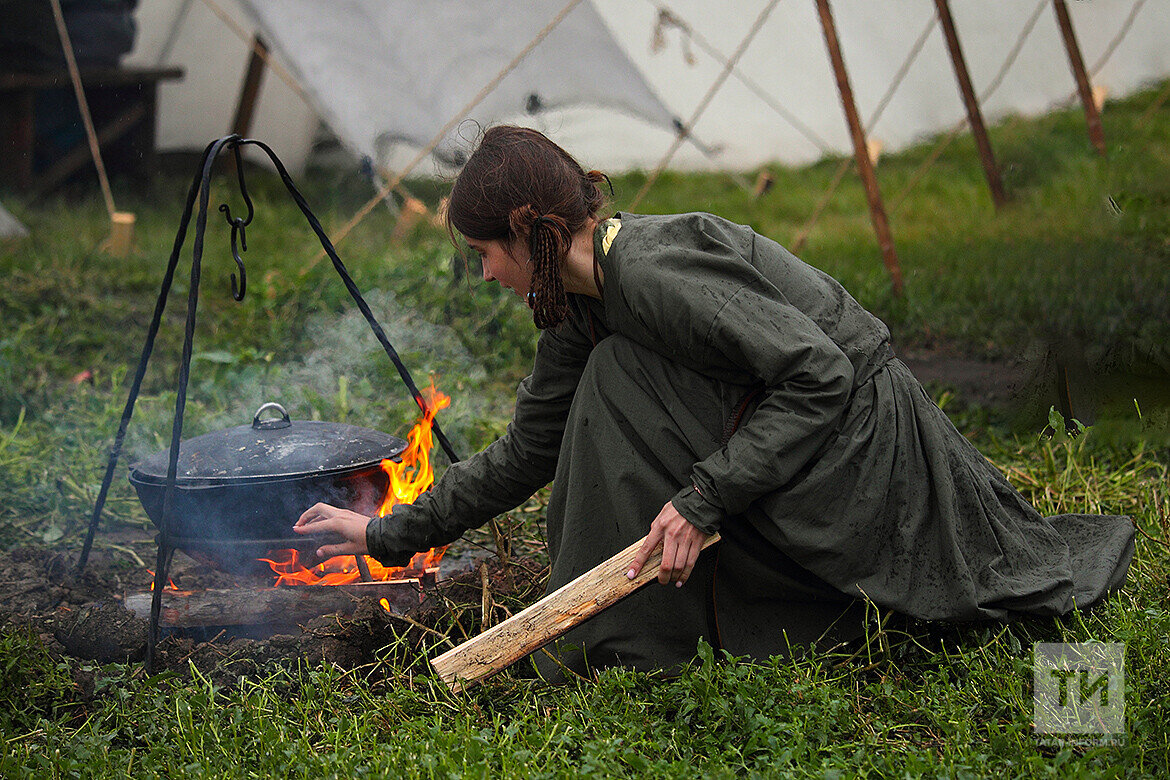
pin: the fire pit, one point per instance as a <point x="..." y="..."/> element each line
<point x="184" y="498"/>
<point x="238" y="492"/>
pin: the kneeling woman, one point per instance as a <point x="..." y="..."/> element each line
<point x="692" y="377"/>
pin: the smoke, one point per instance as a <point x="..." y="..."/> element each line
<point x="344" y="377"/>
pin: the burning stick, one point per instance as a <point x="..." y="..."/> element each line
<point x="363" y="568"/>
<point x="497" y="648"/>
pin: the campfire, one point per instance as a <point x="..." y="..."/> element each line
<point x="226" y="497"/>
<point x="291" y="596"/>
<point x="408" y="477"/>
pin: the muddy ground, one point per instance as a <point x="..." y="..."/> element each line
<point x="83" y="618"/>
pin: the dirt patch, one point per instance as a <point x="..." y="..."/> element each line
<point x="83" y="618"/>
<point x="980" y="382"/>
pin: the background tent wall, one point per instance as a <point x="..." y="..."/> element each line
<point x="203" y="105"/>
<point x="788" y="58"/>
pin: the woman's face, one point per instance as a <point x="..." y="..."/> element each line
<point x="506" y="263"/>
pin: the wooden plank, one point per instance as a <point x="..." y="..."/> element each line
<point x="531" y="629"/>
<point x="1077" y="63"/>
<point x="974" y="114"/>
<point x="873" y="193"/>
<point x="99" y="77"/>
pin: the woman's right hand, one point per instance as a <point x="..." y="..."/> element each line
<point x="323" y="518"/>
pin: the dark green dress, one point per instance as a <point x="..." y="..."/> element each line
<point x="844" y="482"/>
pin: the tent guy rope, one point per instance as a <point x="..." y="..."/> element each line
<point x="83" y="107"/>
<point x="667" y="15"/>
<point x="705" y="102"/>
<point x="121" y="222"/>
<point x="843" y="168"/>
<point x="372" y="203"/>
<point x="292" y="82"/>
<point x="260" y="51"/>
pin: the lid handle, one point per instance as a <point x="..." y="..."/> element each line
<point x="268" y="425"/>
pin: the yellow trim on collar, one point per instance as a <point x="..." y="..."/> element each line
<point x="611" y="227"/>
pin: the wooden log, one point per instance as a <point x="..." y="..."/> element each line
<point x="531" y="629"/>
<point x="261" y="606"/>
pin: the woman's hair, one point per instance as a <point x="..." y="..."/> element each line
<point x="519" y="184"/>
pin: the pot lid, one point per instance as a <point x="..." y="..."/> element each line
<point x="278" y="448"/>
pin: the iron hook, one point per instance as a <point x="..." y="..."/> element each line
<point x="243" y="186"/>
<point x="238" y="291"/>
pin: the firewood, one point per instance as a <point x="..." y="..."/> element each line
<point x="264" y="606"/>
<point x="531" y="629"/>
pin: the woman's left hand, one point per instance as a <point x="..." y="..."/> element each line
<point x="681" y="544"/>
<point x="323" y="518"/>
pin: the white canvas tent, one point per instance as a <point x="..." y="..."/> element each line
<point x="1126" y="37"/>
<point x="387" y="73"/>
<point x="10" y="227"/>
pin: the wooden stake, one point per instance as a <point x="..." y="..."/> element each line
<point x="531" y="629"/>
<point x="873" y="193"/>
<point x="121" y="234"/>
<point x="974" y="114"/>
<point x="412" y="211"/>
<point x="1100" y="93"/>
<point x="764" y="183"/>
<point x="1077" y="63"/>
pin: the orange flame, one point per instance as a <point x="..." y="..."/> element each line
<point x="169" y="586"/>
<point x="413" y="473"/>
<point x="410" y="476"/>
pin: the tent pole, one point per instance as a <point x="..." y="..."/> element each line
<point x="250" y="90"/>
<point x="1077" y="63"/>
<point x="974" y="114"/>
<point x="873" y="193"/>
<point x="684" y="129"/>
<point x="121" y="222"/>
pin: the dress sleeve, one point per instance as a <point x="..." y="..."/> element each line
<point x="808" y="381"/>
<point x="505" y="474"/>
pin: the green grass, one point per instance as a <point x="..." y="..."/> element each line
<point x="1075" y="266"/>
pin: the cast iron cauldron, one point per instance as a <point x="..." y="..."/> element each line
<point x="244" y="487"/>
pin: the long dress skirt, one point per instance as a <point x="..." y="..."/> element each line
<point x="897" y="510"/>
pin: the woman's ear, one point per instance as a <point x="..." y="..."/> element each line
<point x="520" y="249"/>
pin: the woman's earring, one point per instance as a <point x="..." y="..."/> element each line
<point x="531" y="299"/>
